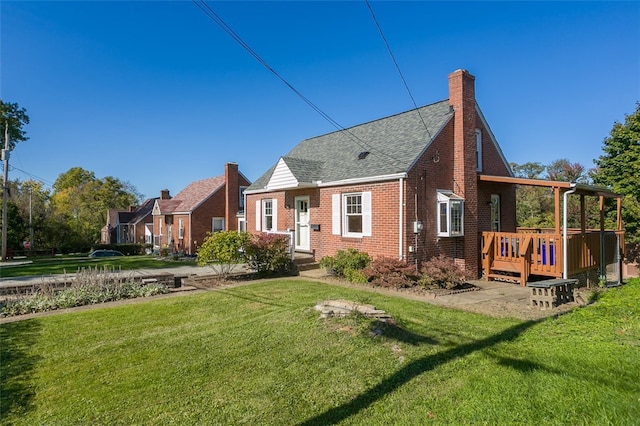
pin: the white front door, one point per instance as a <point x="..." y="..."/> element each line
<point x="302" y="223"/>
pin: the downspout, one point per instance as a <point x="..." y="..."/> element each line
<point x="401" y="221"/>
<point x="565" y="266"/>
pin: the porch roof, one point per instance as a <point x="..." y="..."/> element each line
<point x="581" y="188"/>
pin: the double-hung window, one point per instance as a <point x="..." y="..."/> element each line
<point x="217" y="224"/>
<point x="180" y="229"/>
<point x="267" y="214"/>
<point x="450" y="214"/>
<point x="352" y="214"/>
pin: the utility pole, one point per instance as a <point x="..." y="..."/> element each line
<point x="5" y="188"/>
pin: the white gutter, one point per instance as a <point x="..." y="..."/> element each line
<point x="400" y="238"/>
<point x="565" y="266"/>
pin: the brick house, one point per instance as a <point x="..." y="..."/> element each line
<point x="405" y="186"/>
<point x="182" y="222"/>
<point x="134" y="225"/>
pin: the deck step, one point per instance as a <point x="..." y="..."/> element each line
<point x="503" y="277"/>
<point x="505" y="266"/>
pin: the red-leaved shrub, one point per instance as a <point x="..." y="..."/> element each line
<point x="389" y="272"/>
<point x="441" y="272"/>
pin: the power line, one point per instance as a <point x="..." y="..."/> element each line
<point x="211" y="14"/>
<point x="393" y="58"/>
<point x="39" y="179"/>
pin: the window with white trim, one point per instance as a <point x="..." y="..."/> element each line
<point x="478" y="150"/>
<point x="217" y="224"/>
<point x="351" y="215"/>
<point x="450" y="214"/>
<point x="180" y="229"/>
<point x="267" y="214"/>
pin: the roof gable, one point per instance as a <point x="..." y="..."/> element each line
<point x="282" y="177"/>
<point x="191" y="197"/>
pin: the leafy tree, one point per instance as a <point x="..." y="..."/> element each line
<point x="16" y="227"/>
<point x="81" y="200"/>
<point x="619" y="168"/>
<point x="534" y="205"/>
<point x="32" y="201"/>
<point x="565" y="171"/>
<point x="223" y="251"/>
<point x="15" y="118"/>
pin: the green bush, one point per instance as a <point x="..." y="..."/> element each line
<point x="222" y="251"/>
<point x="441" y="272"/>
<point x="268" y="254"/>
<point x="349" y="259"/>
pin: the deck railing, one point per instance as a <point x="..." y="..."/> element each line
<point x="540" y="252"/>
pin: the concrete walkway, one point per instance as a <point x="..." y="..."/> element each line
<point x="493" y="298"/>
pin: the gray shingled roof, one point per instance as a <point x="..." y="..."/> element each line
<point x="393" y="143"/>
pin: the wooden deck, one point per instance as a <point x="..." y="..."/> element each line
<point x="516" y="256"/>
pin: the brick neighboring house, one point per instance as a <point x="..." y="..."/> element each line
<point x="134" y="225"/>
<point x="181" y="223"/>
<point x="405" y="186"/>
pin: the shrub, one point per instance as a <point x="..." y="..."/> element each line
<point x="223" y="251"/>
<point x="355" y="276"/>
<point x="343" y="260"/>
<point x="268" y="254"/>
<point x="391" y="273"/>
<point x="441" y="272"/>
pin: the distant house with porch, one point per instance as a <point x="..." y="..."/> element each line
<point x="181" y="223"/>
<point x="414" y="185"/>
<point x="133" y="225"/>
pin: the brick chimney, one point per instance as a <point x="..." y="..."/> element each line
<point x="164" y="194"/>
<point x="232" y="196"/>
<point x="465" y="175"/>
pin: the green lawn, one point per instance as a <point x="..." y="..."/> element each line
<point x="49" y="266"/>
<point x="260" y="355"/>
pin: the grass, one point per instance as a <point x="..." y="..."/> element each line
<point x="260" y="355"/>
<point x="52" y="266"/>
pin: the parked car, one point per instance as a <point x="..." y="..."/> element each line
<point x="105" y="253"/>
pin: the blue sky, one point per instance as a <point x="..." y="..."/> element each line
<point x="156" y="94"/>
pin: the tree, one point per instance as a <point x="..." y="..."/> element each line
<point x="15" y="118"/>
<point x="81" y="200"/>
<point x="565" y="171"/>
<point x="534" y="205"/>
<point x="619" y="168"/>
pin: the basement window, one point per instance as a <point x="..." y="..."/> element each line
<point x="450" y="214"/>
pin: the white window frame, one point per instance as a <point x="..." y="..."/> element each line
<point x="478" y="150"/>
<point x="180" y="229"/>
<point x="220" y="220"/>
<point x="340" y="214"/>
<point x="263" y="213"/>
<point x="450" y="214"/>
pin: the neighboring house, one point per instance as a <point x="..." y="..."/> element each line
<point x="216" y="204"/>
<point x="404" y="186"/>
<point x="134" y="225"/>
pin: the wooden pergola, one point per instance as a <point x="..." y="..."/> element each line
<point x="558" y="252"/>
